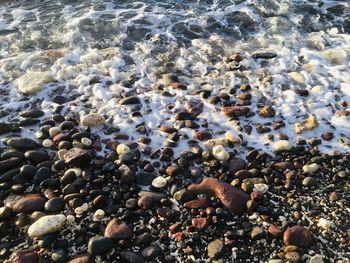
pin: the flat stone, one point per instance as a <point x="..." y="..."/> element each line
<point x="31" y="113"/>
<point x="26" y="204"/>
<point x="93" y="120"/>
<point x="77" y="157"/>
<point x="200" y="223"/>
<point x="232" y="198"/>
<point x="130" y="100"/>
<point x="234" y="111"/>
<point x="155" y="196"/>
<point x="215" y="249"/>
<point x="33" y="81"/>
<point x="298" y="236"/>
<point x="117" y="231"/>
<point x="235" y="164"/>
<point x="9" y="164"/>
<point x="46" y="224"/>
<point x="24" y="256"/>
<point x="36" y="156"/>
<point x="159" y="182"/>
<point x="201" y="203"/>
<point x="81" y="259"/>
<point x="22" y="143"/>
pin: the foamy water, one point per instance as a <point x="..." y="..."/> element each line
<point x="75" y="42"/>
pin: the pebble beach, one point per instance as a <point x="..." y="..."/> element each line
<point x="174" y="131"/>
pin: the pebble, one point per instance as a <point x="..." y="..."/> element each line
<point x="46" y="225"/>
<point x="151" y="252"/>
<point x="215" y="249"/>
<point x="257" y="233"/>
<point x="310" y="168"/>
<point x="99" y="245"/>
<point x="33" y="81"/>
<point x="282" y="145"/>
<point x="47" y="143"/>
<point x="24" y="256"/>
<point x="325" y="223"/>
<point x="309" y="181"/>
<point x="116" y="230"/>
<point x="77" y="157"/>
<point x="93" y="120"/>
<point x="99" y="215"/>
<point x="298" y="236"/>
<point x="123" y="149"/>
<point x="267" y="112"/>
<point x="230" y="197"/>
<point x="220" y="153"/>
<point x="9" y="164"/>
<point x="316" y="259"/>
<point x="22" y="143"/>
<point x="262" y="188"/>
<point x="53" y="131"/>
<point x="145" y="202"/>
<point x="200" y="223"/>
<point x="159" y="182"/>
<point x="5" y="127"/>
<point x="131" y="257"/>
<point x="86" y="141"/>
<point x="201" y="203"/>
<point x="130" y="100"/>
<point x="54" y="204"/>
<point x="293" y="257"/>
<point x="28" y="203"/>
<point x="297" y="77"/>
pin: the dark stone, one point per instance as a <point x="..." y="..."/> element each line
<point x="5" y="127"/>
<point x="143" y="178"/>
<point x="24" y="256"/>
<point x="298" y="236"/>
<point x="77" y="157"/>
<point x="36" y="156"/>
<point x="42" y="174"/>
<point x="28" y="171"/>
<point x="9" y="164"/>
<point x="31" y="113"/>
<point x="131" y="257"/>
<point x="99" y="245"/>
<point x="151" y="252"/>
<point x="22" y="143"/>
<point x="54" y="204"/>
<point x="26" y="203"/>
<point x="130" y="100"/>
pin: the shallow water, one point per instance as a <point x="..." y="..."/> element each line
<point x="75" y="41"/>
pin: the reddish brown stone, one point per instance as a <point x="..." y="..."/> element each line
<point x="200" y="223"/>
<point x="77" y="157"/>
<point x="176" y="227"/>
<point x="177" y="85"/>
<point x="24" y="256"/>
<point x="172" y="170"/>
<point x="26" y="203"/>
<point x="232" y="198"/>
<point x="200" y="203"/>
<point x="255" y="195"/>
<point x="167" y="129"/>
<point x="234" y="111"/>
<point x="81" y="259"/>
<point x="298" y="236"/>
<point x="194" y="106"/>
<point x="274" y="230"/>
<point x="179" y="236"/>
<point x="203" y="135"/>
<point x="117" y="231"/>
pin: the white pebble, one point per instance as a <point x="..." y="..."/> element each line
<point x="159" y="182"/>
<point x="86" y="141"/>
<point x="310" y="168"/>
<point x="98" y="215"/>
<point x="54" y="131"/>
<point x="282" y="145"/>
<point x="47" y="143"/>
<point x="262" y="188"/>
<point x="81" y="209"/>
<point x="70" y="219"/>
<point x="46" y="225"/>
<point x="220" y="153"/>
<point x="123" y="149"/>
<point x="316" y="259"/>
<point x="93" y="120"/>
<point x="231" y="137"/>
<point x="325" y="223"/>
<point x="61" y="153"/>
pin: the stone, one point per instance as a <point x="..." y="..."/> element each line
<point x="145" y="202"/>
<point x="117" y="231"/>
<point x="235" y="164"/>
<point x="257" y="233"/>
<point x="151" y="252"/>
<point x="159" y="182"/>
<point x="5" y="127"/>
<point x="27" y="203"/>
<point x="167" y="213"/>
<point x="36" y="156"/>
<point x="274" y="230"/>
<point x="9" y="164"/>
<point x="32" y="113"/>
<point x="194" y="106"/>
<point x="46" y="224"/>
<point x="93" y="120"/>
<point x="309" y="181"/>
<point x="282" y="145"/>
<point x="297" y="77"/>
<point x="99" y="245"/>
<point x="325" y="223"/>
<point x="200" y="223"/>
<point x="130" y="100"/>
<point x="264" y="55"/>
<point x="234" y="111"/>
<point x="201" y="203"/>
<point x="77" y="157"/>
<point x="5" y="213"/>
<point x="54" y="204"/>
<point x="232" y="198"/>
<point x="316" y="259"/>
<point x="298" y="236"/>
<point x="202" y="135"/>
<point x="267" y="112"/>
<point x="131" y="257"/>
<point x="292" y="257"/>
<point x="81" y="259"/>
<point x="216" y="249"/>
<point x="24" y="256"/>
<point x="22" y="143"/>
<point x="143" y="239"/>
<point x="32" y="82"/>
<point x="155" y="196"/>
<point x="168" y="79"/>
<point x="310" y="168"/>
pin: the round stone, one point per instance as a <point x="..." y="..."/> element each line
<point x="55" y="204"/>
<point x="159" y="182"/>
